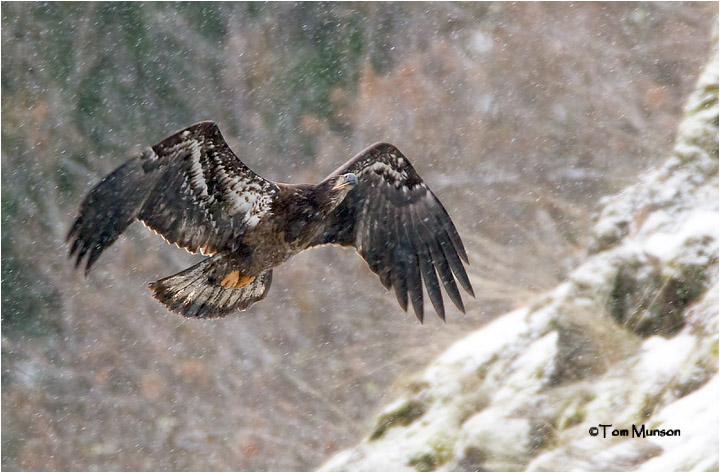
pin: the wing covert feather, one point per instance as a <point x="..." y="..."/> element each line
<point x="207" y="197"/>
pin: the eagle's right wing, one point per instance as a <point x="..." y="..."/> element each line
<point x="190" y="188"/>
<point x="400" y="228"/>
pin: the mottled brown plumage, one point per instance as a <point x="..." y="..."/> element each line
<point x="195" y="192"/>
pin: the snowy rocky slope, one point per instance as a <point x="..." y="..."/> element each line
<point x="630" y="339"/>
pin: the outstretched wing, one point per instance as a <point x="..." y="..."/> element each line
<point x="190" y="188"/>
<point x="401" y="229"/>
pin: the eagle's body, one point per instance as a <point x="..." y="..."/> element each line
<point x="195" y="192"/>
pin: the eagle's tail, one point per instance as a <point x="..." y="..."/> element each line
<point x="211" y="288"/>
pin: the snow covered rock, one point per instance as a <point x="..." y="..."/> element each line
<point x="615" y="369"/>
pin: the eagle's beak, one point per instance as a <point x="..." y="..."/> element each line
<point x="340" y="185"/>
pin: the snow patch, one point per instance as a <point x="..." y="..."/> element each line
<point x="696" y="415"/>
<point x="661" y="358"/>
<point x="698" y="225"/>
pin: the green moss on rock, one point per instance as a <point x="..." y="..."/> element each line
<point x="575" y="418"/>
<point x="428" y="461"/>
<point x="403" y="415"/>
<point x="423" y="462"/>
<point x="714" y="349"/>
<point x="649" y="299"/>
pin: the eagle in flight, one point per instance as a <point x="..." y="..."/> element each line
<point x="195" y="192"/>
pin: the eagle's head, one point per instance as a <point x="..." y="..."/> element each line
<point x="333" y="191"/>
<point x="341" y="185"/>
<point x="344" y="181"/>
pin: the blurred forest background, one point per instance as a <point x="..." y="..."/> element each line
<point x="519" y="117"/>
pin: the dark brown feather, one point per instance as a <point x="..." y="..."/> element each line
<point x="401" y="230"/>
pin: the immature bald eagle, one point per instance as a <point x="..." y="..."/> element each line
<point x="195" y="192"/>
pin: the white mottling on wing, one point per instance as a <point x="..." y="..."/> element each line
<point x="246" y="195"/>
<point x="197" y="176"/>
<point x="149" y="154"/>
<point x="398" y="177"/>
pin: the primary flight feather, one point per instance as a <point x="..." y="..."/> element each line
<point x="195" y="192"/>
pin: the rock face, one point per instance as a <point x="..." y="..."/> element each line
<point x="630" y="339"/>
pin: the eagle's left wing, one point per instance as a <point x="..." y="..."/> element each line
<point x="190" y="188"/>
<point x="400" y="228"/>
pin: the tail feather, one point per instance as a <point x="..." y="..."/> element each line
<point x="197" y="292"/>
<point x="108" y="210"/>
